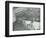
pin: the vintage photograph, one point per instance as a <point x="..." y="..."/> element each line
<point x="25" y="18"/>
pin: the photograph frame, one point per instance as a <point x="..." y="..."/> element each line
<point x="7" y="18"/>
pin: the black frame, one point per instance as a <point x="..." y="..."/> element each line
<point x="7" y="18"/>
